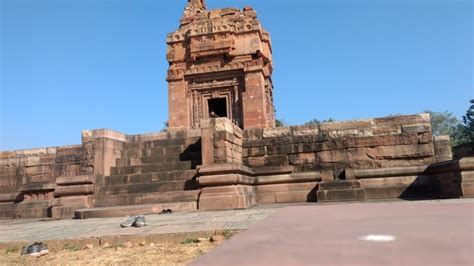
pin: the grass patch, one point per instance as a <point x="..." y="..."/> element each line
<point x="116" y="246"/>
<point x="190" y="241"/>
<point x="227" y="233"/>
<point x="11" y="250"/>
<point x="70" y="247"/>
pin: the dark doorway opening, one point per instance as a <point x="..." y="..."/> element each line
<point x="217" y="107"/>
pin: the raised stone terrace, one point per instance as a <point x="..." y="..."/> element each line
<point x="221" y="166"/>
<point x="223" y="151"/>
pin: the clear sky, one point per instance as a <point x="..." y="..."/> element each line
<point x="70" y="65"/>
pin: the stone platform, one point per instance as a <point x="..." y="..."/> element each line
<point x="389" y="233"/>
<point x="162" y="227"/>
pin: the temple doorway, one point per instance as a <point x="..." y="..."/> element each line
<point x="217" y="107"/>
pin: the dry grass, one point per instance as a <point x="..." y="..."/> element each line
<point x="156" y="254"/>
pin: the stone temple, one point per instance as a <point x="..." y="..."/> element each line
<point x="220" y="66"/>
<point x="222" y="149"/>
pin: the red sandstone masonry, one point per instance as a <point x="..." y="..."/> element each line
<point x="230" y="61"/>
<point x="370" y="143"/>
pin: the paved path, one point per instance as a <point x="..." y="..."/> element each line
<point x="42" y="230"/>
<point x="399" y="233"/>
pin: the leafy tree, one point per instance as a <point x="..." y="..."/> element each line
<point x="279" y="122"/>
<point x="317" y="122"/>
<point x="464" y="132"/>
<point x="468" y="120"/>
<point x="166" y="126"/>
<point x="443" y="123"/>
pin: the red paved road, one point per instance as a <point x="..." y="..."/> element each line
<point x="426" y="233"/>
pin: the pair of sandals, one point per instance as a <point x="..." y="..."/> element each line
<point x="36" y="249"/>
<point x="166" y="211"/>
<point x="135" y="221"/>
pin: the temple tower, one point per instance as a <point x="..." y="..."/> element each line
<point x="220" y="66"/>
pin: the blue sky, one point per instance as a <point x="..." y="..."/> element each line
<point x="70" y="65"/>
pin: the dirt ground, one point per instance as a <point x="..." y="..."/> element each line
<point x="156" y="254"/>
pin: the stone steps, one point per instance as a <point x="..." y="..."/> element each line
<point x="151" y="168"/>
<point x="148" y="187"/>
<point x="123" y="211"/>
<point x="340" y="190"/>
<point x="121" y="162"/>
<point x="162" y="143"/>
<point x="183" y="175"/>
<point x="146" y="198"/>
<point x="170" y="158"/>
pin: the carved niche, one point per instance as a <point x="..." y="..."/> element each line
<point x="202" y="91"/>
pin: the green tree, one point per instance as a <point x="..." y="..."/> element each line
<point x="464" y="132"/>
<point x="443" y="123"/>
<point x="279" y="122"/>
<point x="317" y="121"/>
<point x="165" y="126"/>
<point x="468" y="120"/>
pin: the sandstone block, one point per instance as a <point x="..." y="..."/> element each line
<point x="386" y="129"/>
<point x="276" y="132"/>
<point x="238" y="197"/>
<point x="288" y="178"/>
<point x="222" y="180"/>
<point x="252" y="152"/>
<point x="266" y="198"/>
<point x="416" y="128"/>
<point x="296" y="196"/>
<point x="385" y="140"/>
<point x="348" y="155"/>
<point x="339" y="184"/>
<point x="358" y="132"/>
<point x="302" y="158"/>
<point x="273" y="188"/>
<point x="253" y="134"/>
<point x="307" y="130"/>
<point x="424" y="138"/>
<point x="403" y="120"/>
<point x="74" y="180"/>
<point x="347" y="125"/>
<point x="357" y="194"/>
<point x="401" y="151"/>
<point x="272" y="170"/>
<point x="73" y="190"/>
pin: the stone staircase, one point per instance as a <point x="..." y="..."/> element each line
<point x="148" y="177"/>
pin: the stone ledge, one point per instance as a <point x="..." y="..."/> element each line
<point x="9" y="197"/>
<point x="339" y="184"/>
<point x="74" y="180"/>
<point x="388" y="172"/>
<point x="464" y="164"/>
<point x="291" y="178"/>
<point x="272" y="170"/>
<point x="37" y="187"/>
<point x="225" y="179"/>
<point x="335" y="195"/>
<point x="74" y="190"/>
<point x="218" y="169"/>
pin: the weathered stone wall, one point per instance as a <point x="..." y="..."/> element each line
<point x="25" y="167"/>
<point x="28" y="177"/>
<point x="239" y="168"/>
<point x="360" y="144"/>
